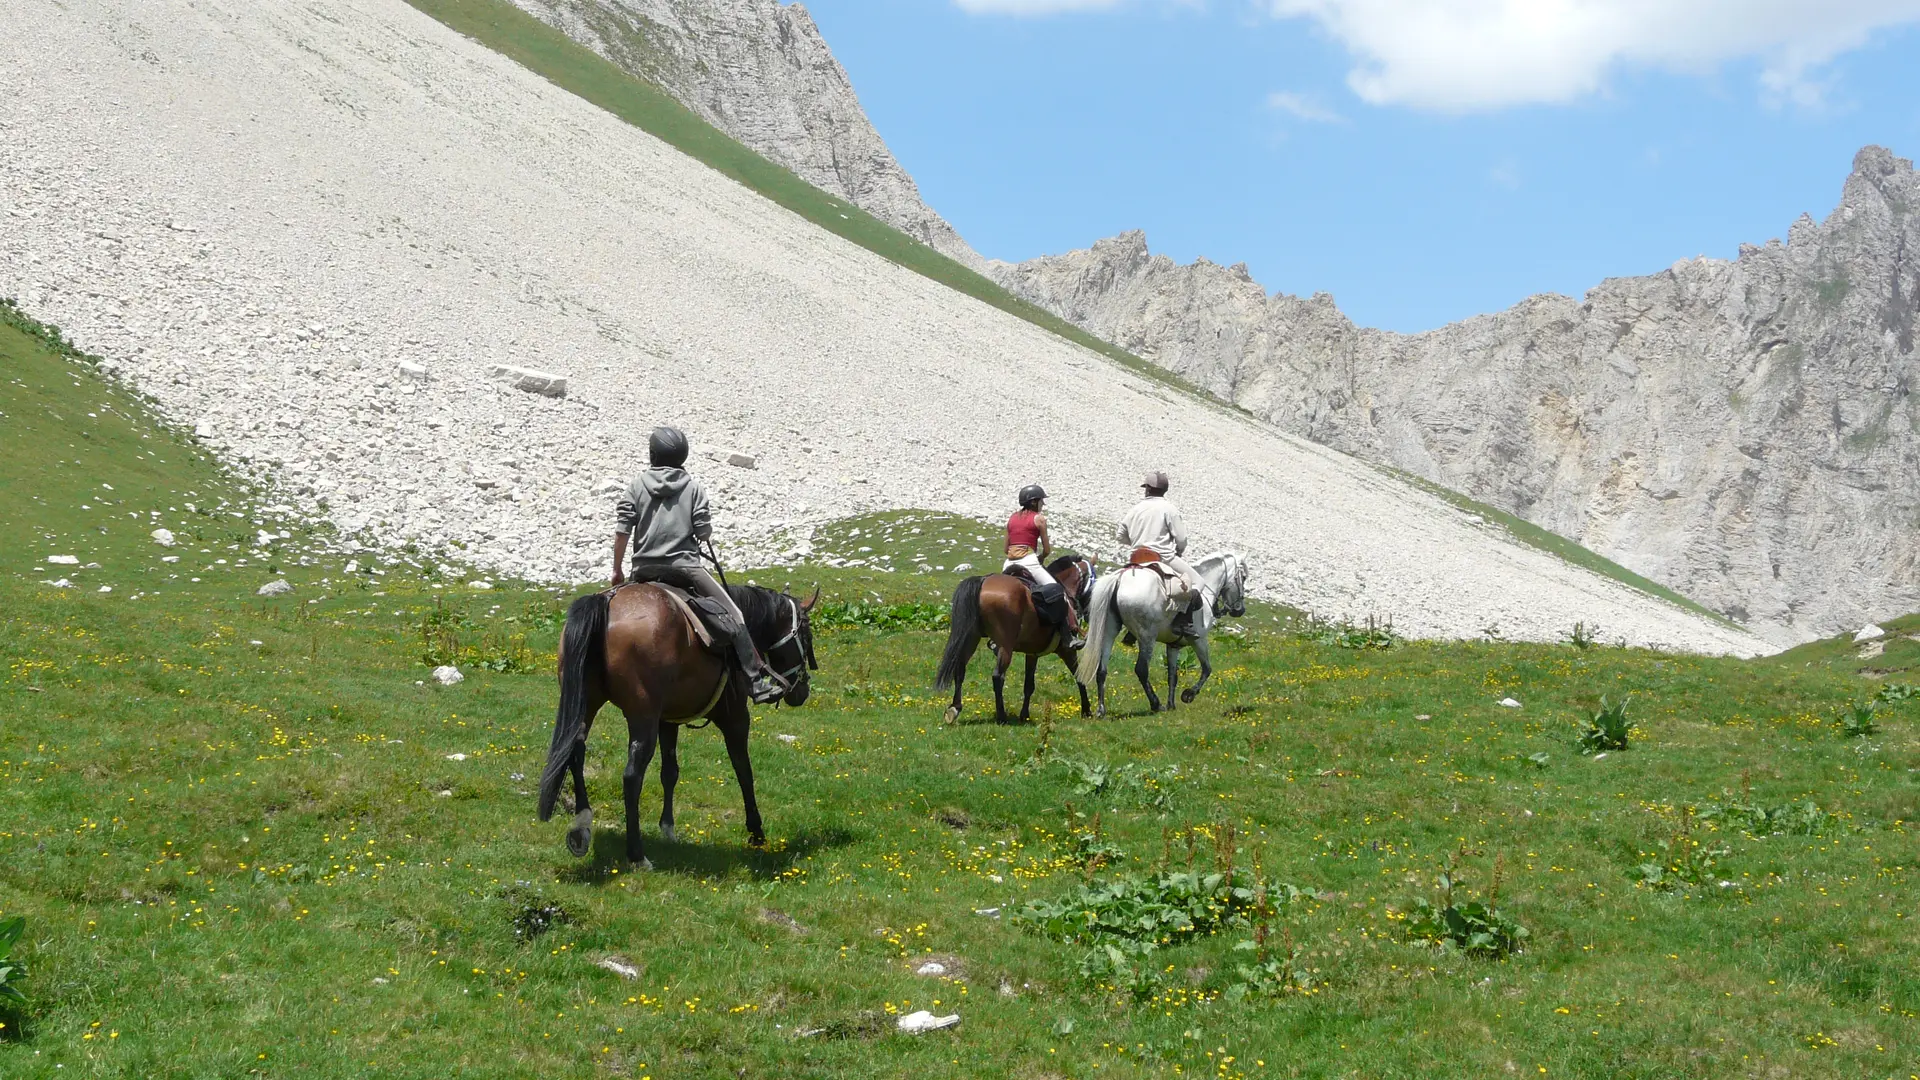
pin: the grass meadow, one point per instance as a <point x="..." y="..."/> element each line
<point x="252" y="837"/>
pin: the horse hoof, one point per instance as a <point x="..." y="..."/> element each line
<point x="642" y="865"/>
<point x="580" y="837"/>
<point x="1188" y="695"/>
<point x="757" y="841"/>
<point x="668" y="834"/>
<point x="952" y="715"/>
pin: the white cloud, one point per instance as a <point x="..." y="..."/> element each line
<point x="1303" y="107"/>
<point x="1462" y="55"/>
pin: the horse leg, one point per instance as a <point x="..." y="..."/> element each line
<point x="1072" y="661"/>
<point x="733" y="721"/>
<point x="953" y="710"/>
<point x="1173" y="673"/>
<point x="580" y="834"/>
<point x="669" y="776"/>
<point x="641" y="734"/>
<point x="1026" y="703"/>
<point x="1143" y="670"/>
<point x="1100" y="688"/>
<point x="1003" y="659"/>
<point x="1206" y="669"/>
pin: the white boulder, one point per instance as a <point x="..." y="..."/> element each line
<point x="447" y="675"/>
<point x="916" y="1022"/>
<point x="63" y="560"/>
<point x="1869" y="632"/>
<point x="1509" y="703"/>
<point x="163" y="537"/>
<point x="275" y="588"/>
<point x="407" y="369"/>
<point x="544" y="383"/>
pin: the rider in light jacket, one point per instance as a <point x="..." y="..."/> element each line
<point x="664" y="511"/>
<point x="1155" y="523"/>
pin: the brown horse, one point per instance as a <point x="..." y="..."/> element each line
<point x="632" y="646"/>
<point x="999" y="608"/>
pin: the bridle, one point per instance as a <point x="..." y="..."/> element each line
<point x="799" y="635"/>
<point x="1087" y="574"/>
<point x="1235" y="580"/>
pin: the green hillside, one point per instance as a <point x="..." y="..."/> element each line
<point x="250" y="836"/>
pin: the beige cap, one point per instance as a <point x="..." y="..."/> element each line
<point x="1155" y="480"/>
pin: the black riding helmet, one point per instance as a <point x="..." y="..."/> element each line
<point x="667" y="448"/>
<point x="1031" y="494"/>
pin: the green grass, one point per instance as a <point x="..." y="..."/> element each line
<point x="513" y="33"/>
<point x="241" y="846"/>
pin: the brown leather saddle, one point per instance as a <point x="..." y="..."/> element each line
<point x="1150" y="559"/>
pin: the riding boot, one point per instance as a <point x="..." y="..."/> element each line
<point x="1076" y="637"/>
<point x="763" y="686"/>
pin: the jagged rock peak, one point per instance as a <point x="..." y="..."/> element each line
<point x="760" y="71"/>
<point x="1740" y="430"/>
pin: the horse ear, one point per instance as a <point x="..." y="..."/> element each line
<point x="811" y="600"/>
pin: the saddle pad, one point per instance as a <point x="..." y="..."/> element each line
<point x="1022" y="575"/>
<point x="1143" y="556"/>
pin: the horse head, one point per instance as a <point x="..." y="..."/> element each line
<point x="1230" y="598"/>
<point x="800" y="642"/>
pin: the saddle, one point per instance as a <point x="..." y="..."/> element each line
<point x="1049" y="600"/>
<point x="1145" y="558"/>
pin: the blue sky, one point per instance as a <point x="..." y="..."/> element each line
<point x="1419" y="169"/>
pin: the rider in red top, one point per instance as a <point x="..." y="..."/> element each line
<point x="1028" y="547"/>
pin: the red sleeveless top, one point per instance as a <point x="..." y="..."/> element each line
<point x="1023" y="530"/>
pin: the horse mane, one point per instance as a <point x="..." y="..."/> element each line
<point x="1216" y="558"/>
<point x="763" y="609"/>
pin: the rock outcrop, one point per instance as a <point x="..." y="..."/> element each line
<point x="760" y="71"/>
<point x="1742" y="431"/>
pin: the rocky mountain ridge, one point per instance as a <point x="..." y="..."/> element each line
<point x="760" y="71"/>
<point x="1741" y="431"/>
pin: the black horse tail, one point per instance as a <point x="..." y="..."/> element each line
<point x="583" y="642"/>
<point x="965" y="635"/>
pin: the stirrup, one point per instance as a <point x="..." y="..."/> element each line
<point x="767" y="688"/>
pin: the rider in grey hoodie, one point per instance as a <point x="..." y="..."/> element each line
<point x="664" y="512"/>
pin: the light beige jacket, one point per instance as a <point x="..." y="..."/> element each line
<point x="1154" y="523"/>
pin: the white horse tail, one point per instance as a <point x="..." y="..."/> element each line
<point x="1103" y="627"/>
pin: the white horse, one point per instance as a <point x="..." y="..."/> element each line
<point x="1136" y="597"/>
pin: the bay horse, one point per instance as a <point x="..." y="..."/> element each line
<point x="633" y="646"/>
<point x="999" y="608"/>
<point x="1135" y="597"/>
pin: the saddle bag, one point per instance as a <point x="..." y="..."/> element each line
<point x="719" y="622"/>
<point x="1051" y="602"/>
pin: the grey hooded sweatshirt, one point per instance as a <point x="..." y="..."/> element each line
<point x="665" y="511"/>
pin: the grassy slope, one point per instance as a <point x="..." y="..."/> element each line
<point x="239" y="856"/>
